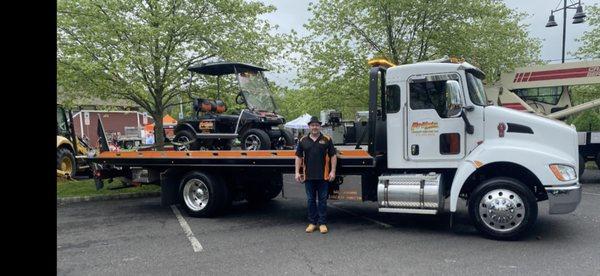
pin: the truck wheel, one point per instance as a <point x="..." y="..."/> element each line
<point x="581" y="165"/>
<point x="275" y="187"/>
<point x="202" y="195"/>
<point x="261" y="192"/>
<point x="598" y="160"/>
<point x="65" y="161"/>
<point x="185" y="136"/>
<point x="256" y="139"/>
<point x="503" y="208"/>
<point x="286" y="140"/>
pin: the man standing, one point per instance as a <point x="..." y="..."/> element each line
<point x="314" y="153"/>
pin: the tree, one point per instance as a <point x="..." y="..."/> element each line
<point x="140" y="50"/>
<point x="591" y="38"/>
<point x="590" y="48"/>
<point x="344" y="34"/>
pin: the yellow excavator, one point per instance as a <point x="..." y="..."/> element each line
<point x="70" y="149"/>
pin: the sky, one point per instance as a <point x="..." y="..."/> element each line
<point x="292" y="14"/>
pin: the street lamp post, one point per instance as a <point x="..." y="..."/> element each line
<point x="577" y="18"/>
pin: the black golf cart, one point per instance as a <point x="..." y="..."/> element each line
<point x="257" y="125"/>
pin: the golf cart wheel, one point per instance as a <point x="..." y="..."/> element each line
<point x="503" y="208"/>
<point x="286" y="140"/>
<point x="65" y="161"/>
<point x="202" y="194"/>
<point x="185" y="136"/>
<point x="256" y="139"/>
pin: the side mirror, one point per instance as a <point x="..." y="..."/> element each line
<point x="453" y="99"/>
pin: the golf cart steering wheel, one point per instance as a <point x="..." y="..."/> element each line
<point x="239" y="99"/>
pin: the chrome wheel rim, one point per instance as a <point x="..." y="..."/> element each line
<point x="195" y="194"/>
<point x="502" y="210"/>
<point x="252" y="142"/>
<point x="280" y="143"/>
<point x="183" y="139"/>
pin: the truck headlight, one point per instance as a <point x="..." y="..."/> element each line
<point x="563" y="172"/>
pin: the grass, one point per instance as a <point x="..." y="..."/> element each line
<point x="87" y="187"/>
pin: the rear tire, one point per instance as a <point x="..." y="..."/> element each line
<point x="503" y="208"/>
<point x="255" y="139"/>
<point x="185" y="136"/>
<point x="598" y="160"/>
<point x="65" y="161"/>
<point x="286" y="140"/>
<point x="264" y="190"/>
<point x="202" y="194"/>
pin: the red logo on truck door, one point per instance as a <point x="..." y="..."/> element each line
<point x="501" y="129"/>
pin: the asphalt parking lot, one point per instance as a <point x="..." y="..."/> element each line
<point x="138" y="236"/>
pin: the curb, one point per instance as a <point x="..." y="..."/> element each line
<point x="74" y="199"/>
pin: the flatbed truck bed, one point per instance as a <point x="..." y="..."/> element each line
<point x="348" y="160"/>
<point x="255" y="176"/>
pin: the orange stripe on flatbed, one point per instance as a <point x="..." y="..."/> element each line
<point x="353" y="153"/>
<point x="285" y="154"/>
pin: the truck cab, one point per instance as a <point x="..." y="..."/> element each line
<point x="443" y="140"/>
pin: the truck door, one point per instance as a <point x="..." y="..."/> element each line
<point x="432" y="134"/>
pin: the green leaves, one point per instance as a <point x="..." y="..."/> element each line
<point x="345" y="34"/>
<point x="591" y="38"/>
<point x="140" y="50"/>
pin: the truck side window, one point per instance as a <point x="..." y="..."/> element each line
<point x="392" y="94"/>
<point x="429" y="95"/>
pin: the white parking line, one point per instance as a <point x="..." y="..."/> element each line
<point x="363" y="217"/>
<point x="591" y="193"/>
<point x="186" y="228"/>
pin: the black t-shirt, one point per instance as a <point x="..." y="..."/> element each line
<point x="316" y="156"/>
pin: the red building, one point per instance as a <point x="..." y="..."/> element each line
<point x="86" y="123"/>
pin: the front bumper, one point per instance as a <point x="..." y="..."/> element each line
<point x="564" y="199"/>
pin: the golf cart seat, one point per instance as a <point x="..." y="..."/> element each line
<point x="209" y="105"/>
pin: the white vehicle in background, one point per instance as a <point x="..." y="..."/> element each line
<point x="543" y="89"/>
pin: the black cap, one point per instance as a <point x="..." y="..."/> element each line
<point x="314" y="119"/>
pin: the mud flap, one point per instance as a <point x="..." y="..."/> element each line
<point x="169" y="188"/>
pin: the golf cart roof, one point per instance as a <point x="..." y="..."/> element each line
<point x="223" y="68"/>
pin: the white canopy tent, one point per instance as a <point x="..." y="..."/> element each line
<point x="299" y="123"/>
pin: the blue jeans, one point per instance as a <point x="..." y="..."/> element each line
<point x="317" y="213"/>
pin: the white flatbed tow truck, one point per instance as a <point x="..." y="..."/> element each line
<point x="432" y="137"/>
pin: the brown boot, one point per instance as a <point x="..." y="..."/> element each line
<point x="323" y="229"/>
<point x="311" y="228"/>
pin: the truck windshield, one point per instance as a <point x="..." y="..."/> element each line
<point x="476" y="92"/>
<point x="256" y="92"/>
<point x="549" y="95"/>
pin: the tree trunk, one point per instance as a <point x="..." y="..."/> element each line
<point x="159" y="131"/>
